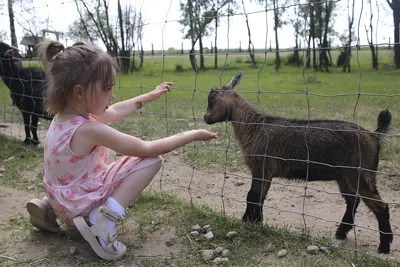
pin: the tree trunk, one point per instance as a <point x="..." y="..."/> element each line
<point x="192" y="58"/>
<point x="314" y="55"/>
<point x="201" y="51"/>
<point x="133" y="59"/>
<point x="215" y="43"/>
<point x="12" y="26"/>
<point x="276" y="24"/>
<point x="125" y="59"/>
<point x="251" y="54"/>
<point x="374" y="58"/>
<point x="141" y="57"/>
<point x="396" y="16"/>
<point x="308" y="54"/>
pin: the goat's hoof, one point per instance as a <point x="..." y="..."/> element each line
<point x="384" y="248"/>
<point x="341" y="235"/>
<point x="31" y="142"/>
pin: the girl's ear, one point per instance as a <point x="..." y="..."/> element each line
<point x="78" y="92"/>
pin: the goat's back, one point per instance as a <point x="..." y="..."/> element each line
<point x="288" y="144"/>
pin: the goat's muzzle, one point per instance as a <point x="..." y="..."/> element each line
<point x="208" y="119"/>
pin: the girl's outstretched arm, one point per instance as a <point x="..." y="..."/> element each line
<point x="98" y="134"/>
<point x="123" y="109"/>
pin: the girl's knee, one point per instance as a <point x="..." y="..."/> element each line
<point x="158" y="164"/>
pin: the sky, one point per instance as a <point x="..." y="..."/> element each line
<point x="61" y="13"/>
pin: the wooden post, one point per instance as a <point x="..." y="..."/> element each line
<point x="152" y="49"/>
<point x="181" y="48"/>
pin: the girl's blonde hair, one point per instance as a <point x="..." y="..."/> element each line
<point x="80" y="64"/>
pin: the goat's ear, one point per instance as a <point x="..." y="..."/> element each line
<point x="235" y="81"/>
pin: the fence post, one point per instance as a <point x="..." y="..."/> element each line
<point x="152" y="49"/>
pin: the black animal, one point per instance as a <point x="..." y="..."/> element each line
<point x="332" y="148"/>
<point x="27" y="87"/>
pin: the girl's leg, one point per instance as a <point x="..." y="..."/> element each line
<point x="104" y="227"/>
<point x="134" y="184"/>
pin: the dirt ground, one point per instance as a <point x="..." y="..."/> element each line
<point x="286" y="200"/>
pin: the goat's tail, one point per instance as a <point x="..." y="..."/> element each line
<point x="384" y="120"/>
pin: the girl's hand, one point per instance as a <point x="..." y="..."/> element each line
<point x="160" y="89"/>
<point x="204" y="135"/>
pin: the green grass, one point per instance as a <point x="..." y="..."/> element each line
<point x="152" y="215"/>
<point x="331" y="95"/>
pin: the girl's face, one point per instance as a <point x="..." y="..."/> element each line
<point x="99" y="99"/>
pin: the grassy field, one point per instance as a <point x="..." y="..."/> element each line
<point x="156" y="230"/>
<point x="330" y="95"/>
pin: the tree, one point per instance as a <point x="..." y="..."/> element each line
<point x="251" y="46"/>
<point x="325" y="17"/>
<point x="197" y="17"/>
<point x="298" y="24"/>
<point x="395" y="6"/>
<point x="347" y="48"/>
<point x="12" y="26"/>
<point x="118" y="35"/>
<point x="370" y="31"/>
<point x="219" y="6"/>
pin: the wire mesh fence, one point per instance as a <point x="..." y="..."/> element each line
<point x="215" y="173"/>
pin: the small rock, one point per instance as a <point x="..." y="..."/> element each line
<point x="224" y="260"/>
<point x="282" y="253"/>
<point x="312" y="249"/>
<point x="231" y="234"/>
<point x="168" y="260"/>
<point x="208" y="254"/>
<point x="2" y="170"/>
<point x="218" y="250"/>
<point x="175" y="152"/>
<point x="270" y="248"/>
<point x="239" y="183"/>
<point x="217" y="261"/>
<point x="194" y="234"/>
<point x="196" y="227"/>
<point x="226" y="253"/>
<point x="169" y="243"/>
<point x="208" y="230"/>
<point x="10" y="158"/>
<point x="72" y="250"/>
<point x="209" y="236"/>
<point x="31" y="187"/>
<point x="206" y="226"/>
<point x="325" y="250"/>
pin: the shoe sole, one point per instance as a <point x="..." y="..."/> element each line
<point x="87" y="234"/>
<point x="38" y="218"/>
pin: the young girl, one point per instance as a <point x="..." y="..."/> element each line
<point x="82" y="188"/>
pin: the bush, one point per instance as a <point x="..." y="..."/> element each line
<point x="291" y="59"/>
<point x="178" y="68"/>
<point x="239" y="60"/>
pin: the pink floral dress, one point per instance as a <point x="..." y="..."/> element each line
<point x="74" y="184"/>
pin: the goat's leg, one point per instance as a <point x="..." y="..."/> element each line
<point x="352" y="203"/>
<point x="33" y="126"/>
<point x="27" y="123"/>
<point x="374" y="202"/>
<point x="255" y="198"/>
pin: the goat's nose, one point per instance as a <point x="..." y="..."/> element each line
<point x="207" y="118"/>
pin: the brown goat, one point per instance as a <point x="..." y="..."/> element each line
<point x="280" y="147"/>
